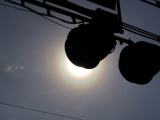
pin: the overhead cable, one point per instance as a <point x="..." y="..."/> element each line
<point x="125" y="26"/>
<point x="40" y="14"/>
<point x="40" y="111"/>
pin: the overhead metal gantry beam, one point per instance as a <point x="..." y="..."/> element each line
<point x="155" y="3"/>
<point x="78" y="12"/>
<point x="49" y="7"/>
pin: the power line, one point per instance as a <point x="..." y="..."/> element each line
<point x="46" y="17"/>
<point x="141" y="32"/>
<point x="40" y="111"/>
<point x="42" y="15"/>
<point x="125" y="26"/>
<point x="58" y="18"/>
<point x="10" y="6"/>
<point x="56" y="23"/>
<point x="155" y="3"/>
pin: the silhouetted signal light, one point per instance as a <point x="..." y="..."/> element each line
<point x="88" y="44"/>
<point x="107" y="21"/>
<point x="139" y="62"/>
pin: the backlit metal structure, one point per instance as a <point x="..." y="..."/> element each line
<point x="94" y="38"/>
<point x="78" y="14"/>
<point x="155" y="3"/>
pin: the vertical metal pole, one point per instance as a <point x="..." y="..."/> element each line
<point x="119" y="13"/>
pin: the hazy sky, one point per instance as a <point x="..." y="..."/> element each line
<point x="33" y="71"/>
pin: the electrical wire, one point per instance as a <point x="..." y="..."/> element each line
<point x="57" y="23"/>
<point x="5" y="5"/>
<point x="141" y="32"/>
<point x="156" y="4"/>
<point x="48" y="15"/>
<point x="130" y="30"/>
<point x="125" y="26"/>
<point x="39" y="111"/>
<point x="52" y="16"/>
<point x="40" y="14"/>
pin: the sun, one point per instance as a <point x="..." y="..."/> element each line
<point x="77" y="71"/>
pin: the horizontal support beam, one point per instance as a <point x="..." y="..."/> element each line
<point x="72" y="6"/>
<point x="58" y="10"/>
<point x="84" y="11"/>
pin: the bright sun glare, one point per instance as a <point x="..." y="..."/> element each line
<point x="77" y="71"/>
<point x="71" y="76"/>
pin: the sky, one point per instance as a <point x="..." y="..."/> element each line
<point x="34" y="74"/>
